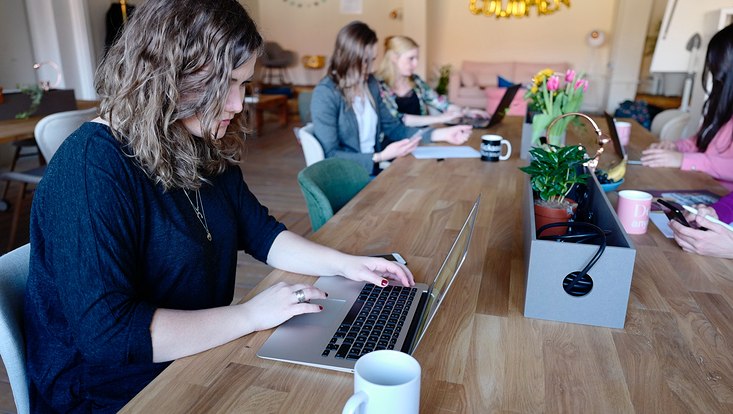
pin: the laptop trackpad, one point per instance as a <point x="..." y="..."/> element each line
<point x="332" y="308"/>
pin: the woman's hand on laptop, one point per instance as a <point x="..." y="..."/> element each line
<point x="655" y="157"/>
<point x="377" y="271"/>
<point x="280" y="302"/>
<point x="665" y="145"/>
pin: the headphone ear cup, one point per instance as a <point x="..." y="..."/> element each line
<point x="577" y="286"/>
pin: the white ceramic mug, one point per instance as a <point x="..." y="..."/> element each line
<point x="491" y="148"/>
<point x="385" y="381"/>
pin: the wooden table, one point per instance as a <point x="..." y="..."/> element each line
<point x="480" y="354"/>
<point x="264" y="103"/>
<point x="19" y="129"/>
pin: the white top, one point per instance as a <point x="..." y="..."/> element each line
<point x="366" y="118"/>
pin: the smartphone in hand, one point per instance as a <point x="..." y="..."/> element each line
<point x="673" y="212"/>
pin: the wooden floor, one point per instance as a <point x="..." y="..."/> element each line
<point x="271" y="165"/>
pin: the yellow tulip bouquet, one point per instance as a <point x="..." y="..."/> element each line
<point x="549" y="97"/>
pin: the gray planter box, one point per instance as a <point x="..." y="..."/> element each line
<point x="549" y="262"/>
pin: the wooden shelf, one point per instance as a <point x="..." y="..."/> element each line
<point x="661" y="101"/>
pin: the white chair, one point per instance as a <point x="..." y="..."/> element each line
<point x="672" y="130"/>
<point x="50" y="132"/>
<point x="13" y="276"/>
<point x="661" y="119"/>
<point x="312" y="149"/>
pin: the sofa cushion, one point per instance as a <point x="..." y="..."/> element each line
<point x="485" y="79"/>
<point x="493" y="68"/>
<point x="523" y="72"/>
<point x="471" y="92"/>
<point x="493" y="97"/>
<point x="468" y="79"/>
<point x="503" y="82"/>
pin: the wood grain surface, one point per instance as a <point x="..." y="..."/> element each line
<point x="19" y="129"/>
<point x="481" y="355"/>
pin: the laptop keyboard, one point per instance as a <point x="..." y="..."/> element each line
<point x="374" y="322"/>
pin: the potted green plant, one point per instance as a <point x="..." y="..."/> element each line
<point x="442" y="87"/>
<point x="553" y="172"/>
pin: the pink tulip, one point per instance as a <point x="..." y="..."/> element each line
<point x="553" y="83"/>
<point x="569" y="75"/>
<point x="578" y="84"/>
<point x="585" y="85"/>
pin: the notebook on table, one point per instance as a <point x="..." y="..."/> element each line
<point x="359" y="317"/>
<point x="496" y="117"/>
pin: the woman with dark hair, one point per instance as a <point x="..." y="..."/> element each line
<point x="711" y="149"/>
<point x="349" y="117"/>
<point x="136" y="225"/>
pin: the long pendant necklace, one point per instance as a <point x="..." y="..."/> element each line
<point x="198" y="208"/>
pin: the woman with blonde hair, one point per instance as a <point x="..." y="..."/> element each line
<point x="136" y="225"/>
<point x="406" y="95"/>
<point x="350" y="119"/>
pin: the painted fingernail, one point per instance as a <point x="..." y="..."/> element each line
<point x="385" y="282"/>
<point x="320" y="307"/>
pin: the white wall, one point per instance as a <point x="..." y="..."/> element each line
<point x="632" y="18"/>
<point x="16" y="53"/>
<point x="455" y="35"/>
<point x="312" y="30"/>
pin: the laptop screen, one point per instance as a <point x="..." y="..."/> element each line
<point x="447" y="272"/>
<point x="620" y="150"/>
<point x="504" y="104"/>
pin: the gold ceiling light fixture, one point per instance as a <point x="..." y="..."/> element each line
<point x="515" y="8"/>
<point x="123" y="8"/>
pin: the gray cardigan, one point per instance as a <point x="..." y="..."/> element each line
<point x="336" y="128"/>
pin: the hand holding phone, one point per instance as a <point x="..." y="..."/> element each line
<point x="672" y="212"/>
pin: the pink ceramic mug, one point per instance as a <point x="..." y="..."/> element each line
<point x="633" y="210"/>
<point x="624" y="132"/>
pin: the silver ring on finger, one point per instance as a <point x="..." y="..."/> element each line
<point x="300" y="295"/>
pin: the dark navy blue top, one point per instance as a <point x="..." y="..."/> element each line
<point x="108" y="247"/>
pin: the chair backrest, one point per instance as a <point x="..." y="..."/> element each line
<point x="661" y="119"/>
<point x="52" y="130"/>
<point x="672" y="130"/>
<point x="312" y="149"/>
<point x="304" y="106"/>
<point x="328" y="185"/>
<point x="13" y="277"/>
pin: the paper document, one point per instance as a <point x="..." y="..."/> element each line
<point x="662" y="222"/>
<point x="440" y="151"/>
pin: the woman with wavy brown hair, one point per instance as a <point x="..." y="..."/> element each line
<point x="136" y="225"/>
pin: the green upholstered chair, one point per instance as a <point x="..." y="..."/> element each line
<point x="328" y="185"/>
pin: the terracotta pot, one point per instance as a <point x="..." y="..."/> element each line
<point x="546" y="215"/>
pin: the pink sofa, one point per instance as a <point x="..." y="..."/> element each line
<point x="475" y="84"/>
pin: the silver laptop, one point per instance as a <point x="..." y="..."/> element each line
<point x="359" y="317"/>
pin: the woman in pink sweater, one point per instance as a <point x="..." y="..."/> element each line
<point x="711" y="149"/>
